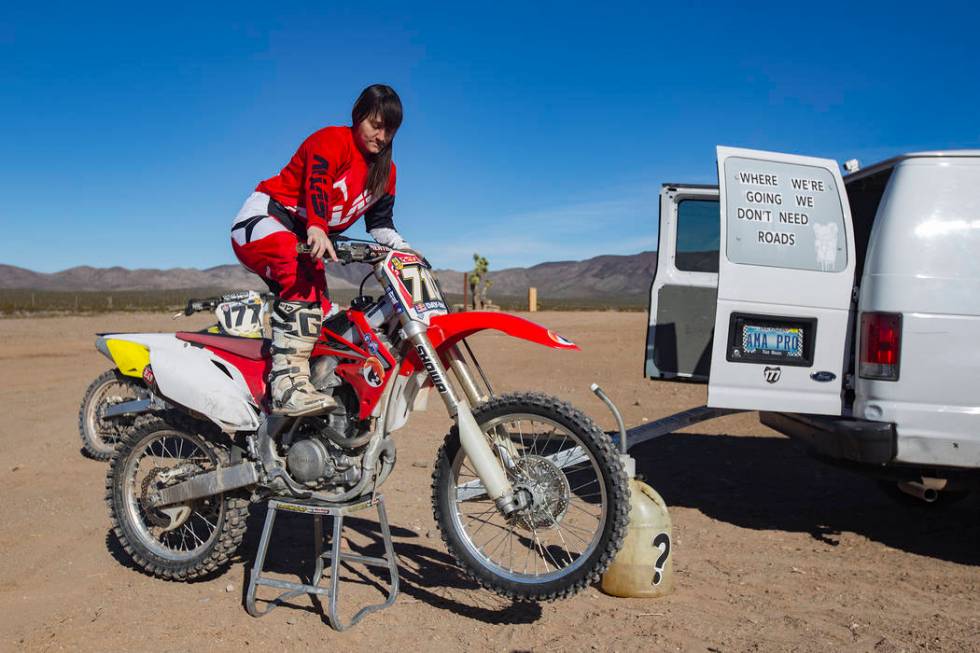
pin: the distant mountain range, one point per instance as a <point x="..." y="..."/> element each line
<point x="619" y="277"/>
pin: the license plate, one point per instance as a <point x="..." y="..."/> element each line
<point x="772" y="341"/>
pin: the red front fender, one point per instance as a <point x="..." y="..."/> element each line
<point x="447" y="330"/>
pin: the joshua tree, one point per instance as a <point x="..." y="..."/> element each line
<point x="479" y="283"/>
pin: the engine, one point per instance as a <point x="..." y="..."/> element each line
<point x="309" y="461"/>
<point x="323" y="452"/>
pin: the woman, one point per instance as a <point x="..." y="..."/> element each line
<point x="337" y="175"/>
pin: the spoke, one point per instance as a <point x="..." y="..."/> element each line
<point x="584" y="463"/>
<point x="572" y="528"/>
<point x="590" y="494"/>
<point x="534" y="443"/>
<point x="475" y="512"/>
<point x="477" y="518"/>
<point x="527" y="559"/>
<point x="190" y="529"/>
<point x="578" y="487"/>
<point x="542" y="550"/>
<point x="571" y="531"/>
<point x="484" y="522"/>
<point x="214" y="527"/>
<point x="578" y="507"/>
<point x="494" y="539"/>
<point x="465" y="465"/>
<point x="564" y="439"/>
<point x="182" y="545"/>
<point x="564" y="543"/>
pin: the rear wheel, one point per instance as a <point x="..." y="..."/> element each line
<point x="572" y="482"/>
<point x="100" y="433"/>
<point x="175" y="542"/>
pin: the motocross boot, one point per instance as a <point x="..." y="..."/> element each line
<point x="295" y="327"/>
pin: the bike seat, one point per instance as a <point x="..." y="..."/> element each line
<point x="252" y="348"/>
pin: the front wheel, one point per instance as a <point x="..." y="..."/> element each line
<point x="575" y="491"/>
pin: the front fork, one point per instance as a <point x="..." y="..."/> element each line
<point x="471" y="437"/>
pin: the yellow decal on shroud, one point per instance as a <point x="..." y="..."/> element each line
<point x="129" y="357"/>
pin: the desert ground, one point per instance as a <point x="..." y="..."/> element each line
<point x="773" y="551"/>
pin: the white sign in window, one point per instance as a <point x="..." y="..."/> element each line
<point x="783" y="215"/>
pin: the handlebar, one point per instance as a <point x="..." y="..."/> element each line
<point x="349" y="251"/>
<point x="210" y="303"/>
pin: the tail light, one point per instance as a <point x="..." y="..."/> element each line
<point x="881" y="346"/>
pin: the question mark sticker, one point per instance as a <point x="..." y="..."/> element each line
<point x="661" y="542"/>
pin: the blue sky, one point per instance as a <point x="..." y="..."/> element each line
<point x="130" y="134"/>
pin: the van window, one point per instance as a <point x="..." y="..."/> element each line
<point x="698" y="235"/>
<point x="783" y="215"/>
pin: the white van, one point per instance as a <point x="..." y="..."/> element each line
<point x="845" y="309"/>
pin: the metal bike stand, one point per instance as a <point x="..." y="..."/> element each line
<point x="335" y="556"/>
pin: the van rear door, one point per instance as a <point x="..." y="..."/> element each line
<point x="683" y="294"/>
<point x="785" y="284"/>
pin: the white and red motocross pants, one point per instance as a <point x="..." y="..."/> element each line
<point x="267" y="247"/>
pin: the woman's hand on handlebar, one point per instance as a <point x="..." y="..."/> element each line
<point x="317" y="239"/>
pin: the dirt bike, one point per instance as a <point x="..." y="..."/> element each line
<point x="118" y="400"/>
<point x="529" y="495"/>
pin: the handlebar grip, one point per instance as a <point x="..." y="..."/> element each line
<point x="227" y="297"/>
<point x="196" y="305"/>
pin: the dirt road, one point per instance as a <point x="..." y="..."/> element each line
<point x="774" y="551"/>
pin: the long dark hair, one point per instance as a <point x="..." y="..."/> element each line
<point x="380" y="100"/>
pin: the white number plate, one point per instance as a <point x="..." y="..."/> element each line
<point x="242" y="317"/>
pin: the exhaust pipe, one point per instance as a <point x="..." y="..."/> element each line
<point x="919" y="491"/>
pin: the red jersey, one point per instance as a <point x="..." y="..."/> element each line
<point x="324" y="184"/>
